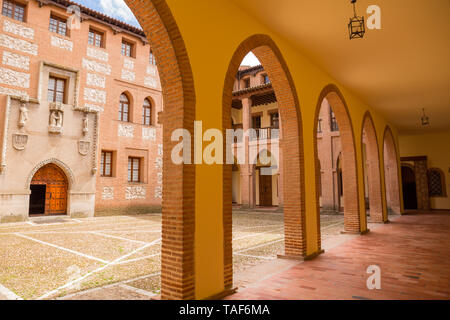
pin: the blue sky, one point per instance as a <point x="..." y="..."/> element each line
<point x="119" y="10"/>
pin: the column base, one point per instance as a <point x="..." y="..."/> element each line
<point x="300" y="258"/>
<point x="356" y="232"/>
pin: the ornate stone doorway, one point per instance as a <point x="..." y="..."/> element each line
<point x="48" y="191"/>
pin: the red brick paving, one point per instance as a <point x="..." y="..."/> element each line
<point x="413" y="253"/>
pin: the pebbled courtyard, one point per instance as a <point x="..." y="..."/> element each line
<point x="118" y="257"/>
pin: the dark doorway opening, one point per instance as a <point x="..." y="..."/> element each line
<point x="37" y="199"/>
<point x="409" y="188"/>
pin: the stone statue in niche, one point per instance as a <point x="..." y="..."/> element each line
<point x="56" y="121"/>
<point x="85" y="125"/>
<point x="23" y="117"/>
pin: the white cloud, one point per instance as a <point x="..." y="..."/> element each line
<point x="118" y="9"/>
<point x="250" y="60"/>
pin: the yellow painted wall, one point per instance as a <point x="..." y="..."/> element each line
<point x="212" y="30"/>
<point x="436" y="146"/>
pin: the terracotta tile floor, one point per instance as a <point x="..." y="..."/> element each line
<point x="413" y="253"/>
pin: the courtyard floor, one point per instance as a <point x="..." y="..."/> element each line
<point x="118" y="257"/>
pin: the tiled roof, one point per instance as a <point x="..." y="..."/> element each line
<point x="252" y="89"/>
<point x="98" y="15"/>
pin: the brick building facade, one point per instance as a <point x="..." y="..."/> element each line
<point x="79" y="100"/>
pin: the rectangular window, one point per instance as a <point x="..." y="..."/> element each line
<point x="96" y="38"/>
<point x="134" y="168"/>
<point x="56" y="89"/>
<point x="256" y="122"/>
<point x="246" y="83"/>
<point x="127" y="49"/>
<point x="333" y="122"/>
<point x="275" y="120"/>
<point x="106" y="164"/>
<point x="14" y="10"/>
<point x="58" y="25"/>
<point x="265" y="79"/>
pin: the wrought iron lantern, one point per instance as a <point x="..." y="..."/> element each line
<point x="356" y="26"/>
<point x="425" y="118"/>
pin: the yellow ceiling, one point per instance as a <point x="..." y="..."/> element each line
<point x="398" y="70"/>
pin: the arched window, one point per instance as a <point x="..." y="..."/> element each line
<point x="436" y="183"/>
<point x="147" y="113"/>
<point x="124" y="108"/>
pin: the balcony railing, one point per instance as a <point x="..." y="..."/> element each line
<point x="264" y="134"/>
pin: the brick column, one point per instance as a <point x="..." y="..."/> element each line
<point x="420" y="170"/>
<point x="247" y="170"/>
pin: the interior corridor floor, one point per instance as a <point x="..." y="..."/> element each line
<point x="412" y="252"/>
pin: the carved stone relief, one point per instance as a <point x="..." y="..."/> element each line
<point x="13" y="92"/>
<point x="14" y="78"/>
<point x="159" y="176"/>
<point x="23" y="115"/>
<point x="18" y="30"/>
<point x="61" y="43"/>
<point x="94" y="95"/>
<point x="96" y="66"/>
<point x="108" y="193"/>
<point x="135" y="192"/>
<point x="18" y="44"/>
<point x="128" y="75"/>
<point x="158" y="192"/>
<point x="150" y="82"/>
<point x="151" y="70"/>
<point x="83" y="147"/>
<point x="160" y="150"/>
<point x="126" y="130"/>
<point x="158" y="163"/>
<point x="128" y="64"/>
<point x="56" y="118"/>
<point x="97" y="54"/>
<point x="95" y="80"/>
<point x="149" y="134"/>
<point x="16" y="60"/>
<point x="19" y="141"/>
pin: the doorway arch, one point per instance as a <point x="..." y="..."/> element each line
<point x="371" y="165"/>
<point x="352" y="217"/>
<point x="178" y="196"/>
<point x="49" y="191"/>
<point x="291" y="146"/>
<point x="409" y="187"/>
<point x="391" y="173"/>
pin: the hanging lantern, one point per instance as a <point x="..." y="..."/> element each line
<point x="356" y="25"/>
<point x="425" y="119"/>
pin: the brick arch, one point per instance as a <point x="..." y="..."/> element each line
<point x="352" y="218"/>
<point x="291" y="146"/>
<point x="178" y="204"/>
<point x="392" y="173"/>
<point x="370" y="139"/>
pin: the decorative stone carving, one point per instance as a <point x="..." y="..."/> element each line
<point x="128" y="75"/>
<point x="19" y="141"/>
<point x="158" y="163"/>
<point x="56" y="117"/>
<point x="150" y="82"/>
<point x="160" y="150"/>
<point x="85" y="125"/>
<point x="18" y="30"/>
<point x="135" y="193"/>
<point x="94" y="95"/>
<point x="18" y="44"/>
<point x="159" y="177"/>
<point x="16" y="60"/>
<point x="83" y="147"/>
<point x="96" y="66"/>
<point x="158" y="192"/>
<point x="149" y="134"/>
<point x="14" y="78"/>
<point x="97" y="54"/>
<point x="152" y="70"/>
<point x="61" y="43"/>
<point x="95" y="80"/>
<point x="128" y="64"/>
<point x="126" y="130"/>
<point x="108" y="193"/>
<point x="23" y="116"/>
<point x="92" y="108"/>
<point x="13" y="92"/>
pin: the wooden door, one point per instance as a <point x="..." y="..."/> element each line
<point x="265" y="190"/>
<point x="56" y="188"/>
